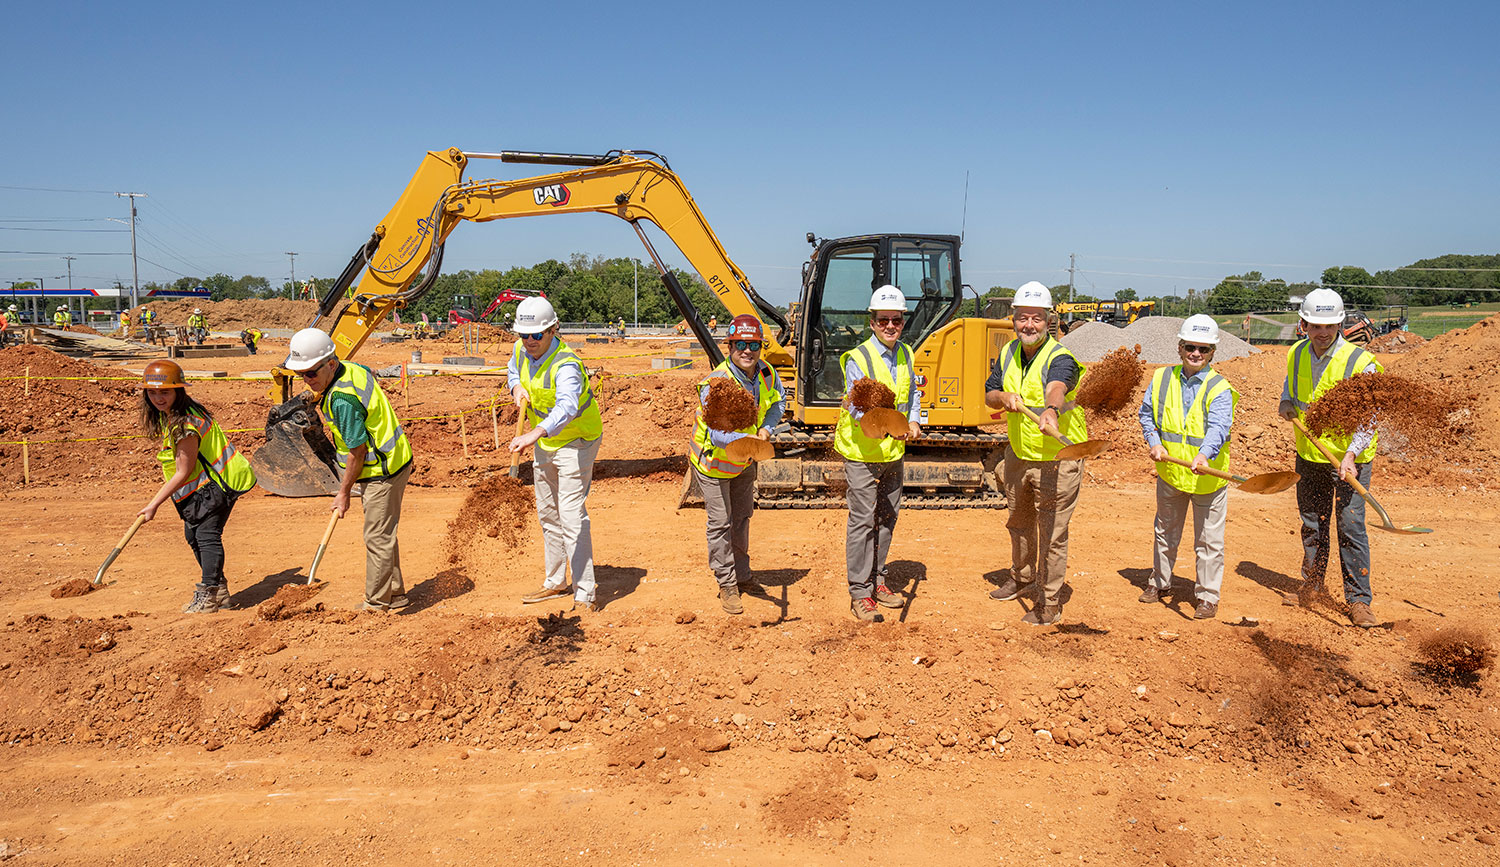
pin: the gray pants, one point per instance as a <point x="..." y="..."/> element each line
<point x="729" y="503"/>
<point x="381" y="499"/>
<point x="1210" y="512"/>
<point x="562" y="481"/>
<point x="1042" y="495"/>
<point x="874" y="502"/>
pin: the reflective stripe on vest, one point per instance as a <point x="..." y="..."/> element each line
<point x="1182" y="436"/>
<point x="1345" y="360"/>
<point x="217" y="459"/>
<point x="539" y="379"/>
<point x="711" y="460"/>
<point x="387" y="448"/>
<point x="849" y="440"/>
<point x="1027" y="441"/>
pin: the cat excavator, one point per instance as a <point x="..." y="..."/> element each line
<point x="951" y="466"/>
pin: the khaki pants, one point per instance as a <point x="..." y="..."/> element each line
<point x="382" y="505"/>
<point x="1210" y="513"/>
<point x="561" y="482"/>
<point x="874" y="504"/>
<point x="729" y="503"/>
<point x="1042" y="495"/>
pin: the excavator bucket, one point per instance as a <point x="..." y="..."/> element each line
<point x="297" y="459"/>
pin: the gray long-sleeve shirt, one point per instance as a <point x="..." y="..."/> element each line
<point x="1219" y="414"/>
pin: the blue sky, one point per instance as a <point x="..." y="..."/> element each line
<point x="1167" y="144"/>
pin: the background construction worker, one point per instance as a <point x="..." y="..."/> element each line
<point x="125" y="322"/>
<point x="548" y="379"/>
<point x="371" y="450"/>
<point x="61" y="318"/>
<point x="620" y="328"/>
<point x="251" y="338"/>
<point x="1313" y="366"/>
<point x="198" y="324"/>
<point x="1037" y="372"/>
<point x="728" y="486"/>
<point x="203" y="473"/>
<point x="7" y="320"/>
<point x="1186" y="413"/>
<point x="874" y="467"/>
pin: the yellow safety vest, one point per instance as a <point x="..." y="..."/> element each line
<point x="198" y="320"/>
<point x="62" y="319"/>
<point x="1182" y="436"/>
<point x="1345" y="361"/>
<point x="388" y="451"/>
<point x="848" y="439"/>
<point x="539" y="379"/>
<point x="125" y="319"/>
<point x="1026" y="439"/>
<point x="711" y="460"/>
<point x="218" y="459"/>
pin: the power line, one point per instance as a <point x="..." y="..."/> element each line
<point x="55" y="190"/>
<point x="43" y="229"/>
<point x="52" y="253"/>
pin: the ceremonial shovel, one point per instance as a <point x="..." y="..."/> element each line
<point x="1071" y="451"/>
<point x="1265" y="483"/>
<point x="1386" y="523"/>
<point x="124" y="540"/>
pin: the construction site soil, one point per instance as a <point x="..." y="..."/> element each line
<point x="470" y="728"/>
<point x="233" y="315"/>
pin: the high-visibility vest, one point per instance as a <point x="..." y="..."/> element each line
<point x="218" y="460"/>
<point x="539" y="378"/>
<point x="198" y="320"/>
<point x="61" y="318"/>
<point x="1027" y="440"/>
<point x="711" y="460"/>
<point x="1345" y="361"/>
<point x="125" y="320"/>
<point x="1182" y="436"/>
<point x="848" y="439"/>
<point x="388" y="451"/>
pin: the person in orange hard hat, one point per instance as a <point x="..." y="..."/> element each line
<point x="203" y="473"/>
<point x="727" y="483"/>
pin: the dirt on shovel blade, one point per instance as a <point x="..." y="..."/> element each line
<point x="868" y="394"/>
<point x="729" y="407"/>
<point x="1414" y="412"/>
<point x="1108" y="384"/>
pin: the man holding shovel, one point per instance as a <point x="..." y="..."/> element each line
<point x="726" y="476"/>
<point x="1036" y="372"/>
<point x="1314" y="365"/>
<point x="873" y="467"/>
<point x="1186" y="414"/>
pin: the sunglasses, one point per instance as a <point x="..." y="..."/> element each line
<point x="742" y="345"/>
<point x="889" y="320"/>
<point x="1193" y="347"/>
<point x="309" y="374"/>
<point x="537" y="336"/>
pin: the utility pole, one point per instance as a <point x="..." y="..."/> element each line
<point x="293" y="257"/>
<point x="1071" y="257"/>
<point x="636" y="263"/>
<point x="135" y="268"/>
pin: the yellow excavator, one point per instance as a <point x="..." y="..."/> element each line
<point x="952" y="465"/>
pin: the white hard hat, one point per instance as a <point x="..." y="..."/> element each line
<point x="12" y="306"/>
<point x="1033" y="294"/>
<point x="1199" y="328"/>
<point x="888" y="297"/>
<point x="197" y="309"/>
<point x="62" y="307"/>
<point x="534" y="315"/>
<point x="310" y="347"/>
<point x="1322" y="307"/>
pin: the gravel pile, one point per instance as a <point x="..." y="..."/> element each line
<point x="1157" y="336"/>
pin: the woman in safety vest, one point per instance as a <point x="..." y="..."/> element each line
<point x="204" y="475"/>
<point x="1186" y="414"/>
<point x="728" y="486"/>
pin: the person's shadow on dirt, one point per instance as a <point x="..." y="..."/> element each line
<point x="1270" y="579"/>
<point x="265" y="588"/>
<point x="1180" y="591"/>
<point x="615" y="582"/>
<point x="904" y="577"/>
<point x="775" y="586"/>
<point x="445" y="585"/>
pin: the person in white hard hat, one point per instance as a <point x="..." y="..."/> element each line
<point x="548" y="381"/>
<point x="1186" y="414"/>
<point x="1037" y="372"/>
<point x="61" y="318"/>
<point x="372" y="451"/>
<point x="7" y="317"/>
<point x="1313" y="366"/>
<point x="198" y="325"/>
<point x="874" y="468"/>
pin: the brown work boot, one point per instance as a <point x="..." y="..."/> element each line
<point x="203" y="601"/>
<point x="1043" y="615"/>
<point x="887" y="597"/>
<point x="1361" y="615"/>
<point x="729" y="598"/>
<point x="1011" y="589"/>
<point x="585" y="606"/>
<point x="1206" y="611"/>
<point x="864" y="609"/>
<point x="1152" y="593"/>
<point x="546" y="593"/>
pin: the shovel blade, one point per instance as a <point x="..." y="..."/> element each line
<point x="1406" y="530"/>
<point x="1270" y="483"/>
<point x="881" y="422"/>
<point x="297" y="459"/>
<point x="1086" y="449"/>
<point x="749" y="449"/>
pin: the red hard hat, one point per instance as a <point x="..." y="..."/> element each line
<point x="744" y="327"/>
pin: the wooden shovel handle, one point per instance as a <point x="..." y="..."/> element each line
<point x="515" y="457"/>
<point x="1218" y="474"/>
<point x="1352" y="480"/>
<point x="1037" y="420"/>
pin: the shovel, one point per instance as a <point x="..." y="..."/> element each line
<point x="1071" y="451"/>
<point x="312" y="572"/>
<point x="1385" y="520"/>
<point x="879" y="422"/>
<point x="750" y="448"/>
<point x="1265" y="483"/>
<point x="515" y="457"/>
<point x="124" y="540"/>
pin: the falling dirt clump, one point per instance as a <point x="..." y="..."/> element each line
<point x="1414" y="411"/>
<point x="729" y="406"/>
<point x="868" y="394"/>
<point x="286" y="603"/>
<point x="1462" y="652"/>
<point x="496" y="508"/>
<point x="70" y="589"/>
<point x="1109" y="384"/>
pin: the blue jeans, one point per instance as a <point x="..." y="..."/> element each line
<point x="1317" y="491"/>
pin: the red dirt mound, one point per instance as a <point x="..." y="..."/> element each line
<point x="70" y="589"/>
<point x="1415" y="411"/>
<point x="496" y="508"/>
<point x="1396" y="342"/>
<point x="729" y="407"/>
<point x="234" y="315"/>
<point x="867" y="394"/>
<point x="1108" y="385"/>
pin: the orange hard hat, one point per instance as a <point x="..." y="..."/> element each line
<point x="163" y="374"/>
<point x="744" y="327"/>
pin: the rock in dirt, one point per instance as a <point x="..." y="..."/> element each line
<point x="258" y="713"/>
<point x="820" y="741"/>
<point x="70" y="589"/>
<point x="865" y="729"/>
<point x="104" y="641"/>
<point x="865" y="771"/>
<point x="686" y="617"/>
<point x="714" y="742"/>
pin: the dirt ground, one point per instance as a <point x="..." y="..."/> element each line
<point x="469" y="728"/>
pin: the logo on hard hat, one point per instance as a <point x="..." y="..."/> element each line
<point x="555" y="195"/>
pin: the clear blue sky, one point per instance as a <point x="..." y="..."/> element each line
<point x="1167" y="144"/>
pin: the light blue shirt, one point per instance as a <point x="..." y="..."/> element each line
<point x="722" y="438"/>
<point x="569" y="384"/>
<point x="1219" y="415"/>
<point x="913" y="407"/>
